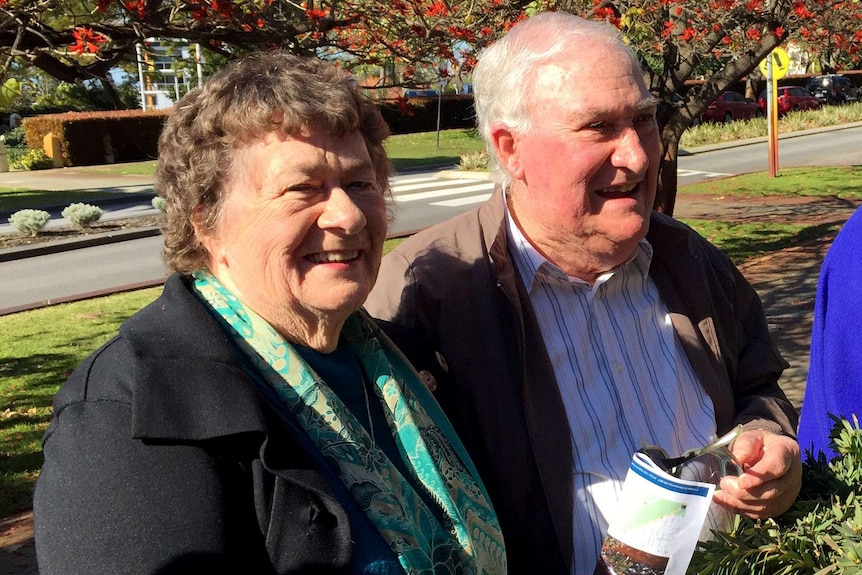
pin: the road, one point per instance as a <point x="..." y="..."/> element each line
<point x="837" y="147"/>
<point x="420" y="200"/>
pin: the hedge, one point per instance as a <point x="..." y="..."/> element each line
<point x="89" y="138"/>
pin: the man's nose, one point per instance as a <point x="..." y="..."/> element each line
<point x="341" y="212"/>
<point x="630" y="151"/>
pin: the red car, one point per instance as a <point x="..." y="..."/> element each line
<point x="791" y="98"/>
<point x="729" y="106"/>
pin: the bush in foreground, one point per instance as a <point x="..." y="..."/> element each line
<point x="821" y="534"/>
<point x="32" y="159"/>
<point x="160" y="204"/>
<point x="29" y="222"/>
<point x="82" y="215"/>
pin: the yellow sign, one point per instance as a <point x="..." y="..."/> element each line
<point x="780" y="63"/>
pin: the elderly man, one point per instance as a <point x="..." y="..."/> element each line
<point x="571" y="324"/>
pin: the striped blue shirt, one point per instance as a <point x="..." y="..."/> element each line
<point x="623" y="376"/>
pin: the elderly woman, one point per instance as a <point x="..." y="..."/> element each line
<point x="253" y="419"/>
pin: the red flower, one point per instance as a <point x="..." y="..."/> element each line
<point x="405" y="109"/>
<point x="801" y="10"/>
<point x="316" y="14"/>
<point x="101" y="5"/>
<point x="437" y="8"/>
<point x="86" y="41"/>
<point x="688" y="34"/>
<point x="139" y="6"/>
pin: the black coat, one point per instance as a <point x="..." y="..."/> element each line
<point x="161" y="458"/>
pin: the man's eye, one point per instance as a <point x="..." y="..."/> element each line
<point x="598" y="126"/>
<point x="645" y="119"/>
<point x="302" y="188"/>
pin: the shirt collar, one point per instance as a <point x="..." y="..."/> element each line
<point x="534" y="267"/>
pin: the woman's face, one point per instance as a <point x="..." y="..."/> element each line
<point x="301" y="232"/>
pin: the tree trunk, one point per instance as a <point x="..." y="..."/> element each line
<point x="111" y="92"/>
<point x="665" y="198"/>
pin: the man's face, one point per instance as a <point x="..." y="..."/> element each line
<point x="301" y="231"/>
<point x="584" y="177"/>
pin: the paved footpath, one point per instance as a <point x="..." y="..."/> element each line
<point x="786" y="281"/>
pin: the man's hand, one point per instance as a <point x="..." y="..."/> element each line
<point x="771" y="478"/>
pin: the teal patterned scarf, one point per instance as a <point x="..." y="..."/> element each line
<point x="471" y="541"/>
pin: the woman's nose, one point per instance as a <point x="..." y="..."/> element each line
<point x="342" y="212"/>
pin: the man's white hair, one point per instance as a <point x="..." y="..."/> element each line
<point x="504" y="78"/>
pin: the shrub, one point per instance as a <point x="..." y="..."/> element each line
<point x="160" y="204"/>
<point x="82" y="215"/>
<point x="474" y="162"/>
<point x="821" y="533"/>
<point x="14" y="138"/>
<point x="32" y="160"/>
<point x="29" y="222"/>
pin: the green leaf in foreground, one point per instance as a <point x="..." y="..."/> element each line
<point x="821" y="533"/>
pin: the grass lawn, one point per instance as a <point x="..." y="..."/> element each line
<point x="843" y="182"/>
<point x="744" y="241"/>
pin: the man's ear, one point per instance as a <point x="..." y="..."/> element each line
<point x="505" y="143"/>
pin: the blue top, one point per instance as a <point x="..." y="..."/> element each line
<point x="835" y="374"/>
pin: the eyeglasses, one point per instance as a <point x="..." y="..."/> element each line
<point x="709" y="463"/>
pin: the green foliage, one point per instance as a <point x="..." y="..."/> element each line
<point x="82" y="215"/>
<point x="160" y="204"/>
<point x="821" y="534"/>
<point x="32" y="159"/>
<point x="709" y="133"/>
<point x="83" y="97"/>
<point x="14" y="138"/>
<point x="29" y="222"/>
<point x="474" y="162"/>
<point x="10" y="90"/>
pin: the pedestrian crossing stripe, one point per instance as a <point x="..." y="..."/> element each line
<point x="691" y="173"/>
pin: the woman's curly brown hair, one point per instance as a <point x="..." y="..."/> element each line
<point x="261" y="93"/>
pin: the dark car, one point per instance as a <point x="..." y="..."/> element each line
<point x="791" y="98"/>
<point x="420" y="93"/>
<point x="729" y="106"/>
<point x="833" y="89"/>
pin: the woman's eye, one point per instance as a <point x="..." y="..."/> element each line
<point x="362" y="187"/>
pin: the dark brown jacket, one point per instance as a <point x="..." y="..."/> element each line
<point x="453" y="290"/>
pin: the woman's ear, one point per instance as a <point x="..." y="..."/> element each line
<point x="204" y="234"/>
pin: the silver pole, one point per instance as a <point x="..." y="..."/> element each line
<point x="198" y="65"/>
<point x="141" y="77"/>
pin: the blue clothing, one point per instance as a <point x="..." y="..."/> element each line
<point x="835" y="374"/>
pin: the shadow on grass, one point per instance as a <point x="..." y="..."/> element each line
<point x="13" y="200"/>
<point x="757" y="243"/>
<point x="401" y="164"/>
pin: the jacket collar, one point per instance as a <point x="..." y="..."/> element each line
<point x="189" y="382"/>
<point x="546" y="417"/>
